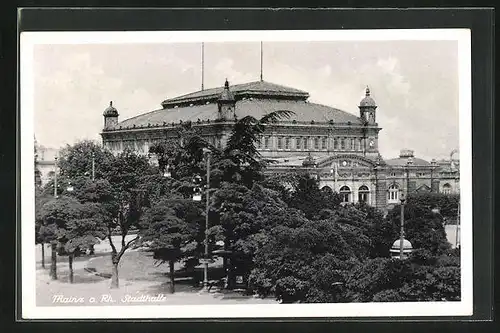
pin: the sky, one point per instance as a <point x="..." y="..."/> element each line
<point x="415" y="84"/>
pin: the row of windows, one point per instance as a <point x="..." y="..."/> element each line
<point x="418" y="174"/>
<point x="345" y="193"/>
<point x="393" y="192"/>
<point x="317" y="143"/>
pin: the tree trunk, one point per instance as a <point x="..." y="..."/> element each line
<point x="92" y="250"/>
<point x="53" y="264"/>
<point x="172" y="277"/>
<point x="43" y="255"/>
<point x="70" y="261"/>
<point x="114" y="276"/>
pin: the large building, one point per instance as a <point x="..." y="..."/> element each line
<point x="339" y="148"/>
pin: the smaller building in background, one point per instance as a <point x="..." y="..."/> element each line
<point x="45" y="162"/>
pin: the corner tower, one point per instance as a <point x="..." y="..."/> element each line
<point x="367" y="108"/>
<point x="226" y="103"/>
<point x="110" y="116"/>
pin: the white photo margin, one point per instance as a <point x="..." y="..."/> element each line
<point x="29" y="309"/>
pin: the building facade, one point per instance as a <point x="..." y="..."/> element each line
<point x="337" y="147"/>
<point x="45" y="162"/>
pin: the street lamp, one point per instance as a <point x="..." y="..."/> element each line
<point x="197" y="197"/>
<point x="166" y="172"/>
<point x="401" y="246"/>
<point x="402" y="231"/>
<point x="197" y="188"/>
<point x="55" y="177"/>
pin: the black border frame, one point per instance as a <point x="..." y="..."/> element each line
<point x="480" y="21"/>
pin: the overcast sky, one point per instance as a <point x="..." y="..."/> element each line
<point x="415" y="84"/>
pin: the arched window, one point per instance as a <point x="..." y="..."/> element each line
<point x="342" y="144"/>
<point x="446" y="188"/>
<point x="345" y="193"/>
<point x="280" y="143"/>
<point x="316" y="143"/>
<point x="324" y="143"/>
<point x="393" y="193"/>
<point x="358" y="144"/>
<point x="327" y="189"/>
<point x="336" y="143"/>
<point x="363" y="192"/>
<point x="266" y="142"/>
<point x="304" y="143"/>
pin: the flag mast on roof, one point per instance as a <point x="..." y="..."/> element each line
<point x="261" y="61"/>
<point x="202" y="64"/>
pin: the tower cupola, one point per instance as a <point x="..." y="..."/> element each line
<point x="367" y="108"/>
<point x="226" y="103"/>
<point x="110" y="116"/>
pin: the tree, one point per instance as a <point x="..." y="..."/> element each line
<point x="124" y="175"/>
<point x="239" y="160"/>
<point x="169" y="230"/>
<point x="41" y="236"/>
<point x="422" y="277"/>
<point x="75" y="161"/>
<point x="422" y="227"/>
<point x="84" y="231"/>
<point x="307" y="196"/>
<point x="239" y="218"/>
<point x="38" y="180"/>
<point x="446" y="203"/>
<point x="303" y="261"/>
<point x="123" y="200"/>
<point x="55" y="215"/>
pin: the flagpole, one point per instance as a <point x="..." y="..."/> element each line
<point x="261" y="62"/>
<point x="202" y="65"/>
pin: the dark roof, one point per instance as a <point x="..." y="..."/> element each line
<point x="257" y="107"/>
<point x="400" y="161"/>
<point x="110" y="111"/>
<point x="368" y="101"/>
<point x="261" y="88"/>
<point x="226" y="95"/>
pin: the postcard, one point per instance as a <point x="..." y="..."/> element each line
<point x="246" y="174"/>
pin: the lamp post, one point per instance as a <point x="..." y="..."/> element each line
<point x="166" y="172"/>
<point x="205" y="264"/>
<point x="55" y="177"/>
<point x="93" y="166"/>
<point x="402" y="230"/>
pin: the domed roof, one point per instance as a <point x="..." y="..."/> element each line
<point x="110" y="111"/>
<point x="406" y="245"/>
<point x="407" y="157"/>
<point x="368" y="101"/>
<point x="309" y="161"/>
<point x="226" y="95"/>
